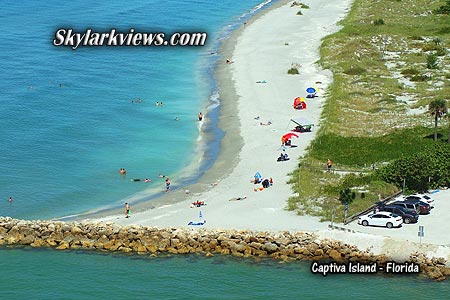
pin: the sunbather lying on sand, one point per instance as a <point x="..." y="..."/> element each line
<point x="265" y="124"/>
<point x="198" y="203"/>
<point x="238" y="198"/>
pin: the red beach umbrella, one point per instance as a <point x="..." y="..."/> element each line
<point x="288" y="136"/>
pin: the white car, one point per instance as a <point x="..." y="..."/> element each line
<point x="382" y="218"/>
<point x="422" y="197"/>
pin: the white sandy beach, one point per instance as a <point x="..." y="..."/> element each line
<point x="264" y="51"/>
<point x="261" y="54"/>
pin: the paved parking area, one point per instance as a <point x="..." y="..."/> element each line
<point x="436" y="224"/>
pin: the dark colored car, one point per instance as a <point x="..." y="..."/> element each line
<point x="408" y="216"/>
<point x="424" y="208"/>
<point x="410" y="206"/>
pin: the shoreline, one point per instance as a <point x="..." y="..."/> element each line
<point x="227" y="122"/>
<point x="236" y="164"/>
<point x="249" y="147"/>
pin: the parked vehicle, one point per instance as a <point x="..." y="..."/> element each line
<point x="410" y="206"/>
<point x="408" y="216"/>
<point x="424" y="208"/>
<point x="382" y="218"/>
<point x="422" y="197"/>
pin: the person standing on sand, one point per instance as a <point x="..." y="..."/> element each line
<point x="200" y="116"/>
<point x="127" y="210"/>
<point x="167" y="185"/>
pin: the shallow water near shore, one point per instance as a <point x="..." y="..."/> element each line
<point x="90" y="275"/>
<point x="71" y="118"/>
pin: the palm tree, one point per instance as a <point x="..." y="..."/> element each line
<point x="447" y="116"/>
<point x="437" y="108"/>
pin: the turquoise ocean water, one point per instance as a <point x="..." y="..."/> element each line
<point x="52" y="274"/>
<point x="68" y="125"/>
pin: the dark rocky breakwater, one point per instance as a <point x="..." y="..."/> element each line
<point x="143" y="240"/>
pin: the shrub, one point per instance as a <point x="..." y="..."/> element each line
<point x="355" y="71"/>
<point x="422" y="171"/>
<point x="418" y="77"/>
<point x="444" y="9"/>
<point x="299" y="13"/>
<point x="378" y="22"/>
<point x="346" y="196"/>
<point x="432" y="61"/>
<point x="441" y="51"/>
<point x="302" y="5"/>
<point x="293" y="71"/>
<point x="410" y="72"/>
<point x="429" y="47"/>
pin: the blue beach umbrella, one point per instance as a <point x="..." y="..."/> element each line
<point x="258" y="175"/>
<point x="311" y="90"/>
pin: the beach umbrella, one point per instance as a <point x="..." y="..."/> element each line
<point x="310" y="90"/>
<point x="299" y="101"/>
<point x="258" y="175"/>
<point x="288" y="136"/>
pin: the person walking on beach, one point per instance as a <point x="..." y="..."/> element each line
<point x="200" y="116"/>
<point x="127" y="210"/>
<point x="167" y="185"/>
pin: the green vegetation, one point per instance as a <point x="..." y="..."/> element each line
<point x="421" y="171"/>
<point x="437" y="108"/>
<point x="294" y="69"/>
<point x="432" y="61"/>
<point x="376" y="123"/>
<point x="444" y="9"/>
<point x="378" y="22"/>
<point x="299" y="13"/>
<point x="302" y="5"/>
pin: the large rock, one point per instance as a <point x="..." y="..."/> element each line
<point x="336" y="256"/>
<point x="270" y="247"/>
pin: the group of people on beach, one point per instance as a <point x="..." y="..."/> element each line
<point x="127" y="205"/>
<point x="167" y="179"/>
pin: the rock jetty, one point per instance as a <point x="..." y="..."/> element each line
<point x="143" y="240"/>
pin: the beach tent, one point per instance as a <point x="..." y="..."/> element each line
<point x="301" y="124"/>
<point x="299" y="103"/>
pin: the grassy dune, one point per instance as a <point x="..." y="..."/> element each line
<point x="377" y="107"/>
